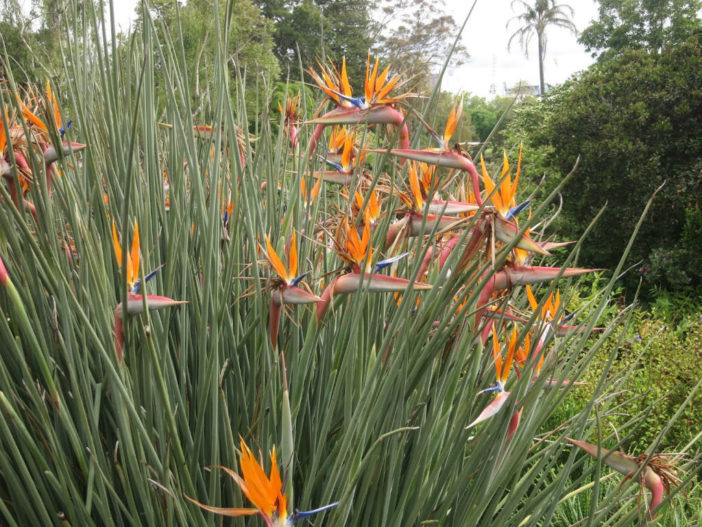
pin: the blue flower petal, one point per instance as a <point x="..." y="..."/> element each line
<point x="64" y="130"/>
<point x="137" y="285"/>
<point x="497" y="387"/>
<point x="335" y="166"/>
<point x="358" y="102"/>
<point x="512" y="213"/>
<point x="297" y="280"/>
<point x="389" y="261"/>
<point x="306" y="514"/>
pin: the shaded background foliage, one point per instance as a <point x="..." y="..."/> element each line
<point x="634" y="121"/>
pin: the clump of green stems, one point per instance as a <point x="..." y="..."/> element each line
<point x="372" y="405"/>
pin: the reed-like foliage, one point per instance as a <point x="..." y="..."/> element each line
<point x="369" y="406"/>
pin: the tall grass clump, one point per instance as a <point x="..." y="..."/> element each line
<point x="371" y="322"/>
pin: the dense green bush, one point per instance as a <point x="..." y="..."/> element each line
<point x="634" y="122"/>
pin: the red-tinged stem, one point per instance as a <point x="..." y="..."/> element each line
<point x="327" y="297"/>
<point x="316" y="134"/>
<point x="483" y="300"/>
<point x="22" y="162"/>
<point x="292" y="130"/>
<point x="32" y="209"/>
<point x="4" y="277"/>
<point x="428" y="257"/>
<point x="14" y="196"/>
<point x="319" y="129"/>
<point x="447" y="249"/>
<point x="119" y="333"/>
<point x="513" y="424"/>
<point x="475" y="181"/>
<point x="48" y="168"/>
<point x="486" y="330"/>
<point x="242" y="156"/>
<point x="477" y="234"/>
<point x="274" y="322"/>
<point x="394" y="231"/>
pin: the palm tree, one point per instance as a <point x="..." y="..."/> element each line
<point x="535" y="19"/>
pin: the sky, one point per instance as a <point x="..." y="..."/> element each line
<point x="485" y="38"/>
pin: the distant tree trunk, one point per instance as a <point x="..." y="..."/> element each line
<point x="541" y="66"/>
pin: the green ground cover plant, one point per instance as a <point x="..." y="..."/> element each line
<point x="654" y="367"/>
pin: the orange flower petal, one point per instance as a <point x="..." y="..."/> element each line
<point x="31" y="117"/>
<point x="532" y="299"/>
<point x="133" y="264"/>
<point x="275" y="261"/>
<point x="345" y="85"/>
<point x="116" y="244"/>
<point x="223" y="511"/>
<point x="292" y="255"/>
<point x="414" y="187"/>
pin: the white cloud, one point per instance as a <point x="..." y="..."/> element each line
<point x="486" y="37"/>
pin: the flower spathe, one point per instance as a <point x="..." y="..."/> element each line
<point x="444" y="157"/>
<point x="266" y="493"/>
<point x="658" y="475"/>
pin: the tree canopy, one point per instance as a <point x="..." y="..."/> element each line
<point x="314" y="29"/>
<point x="419" y="35"/>
<point x="640" y="24"/>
